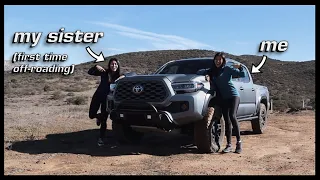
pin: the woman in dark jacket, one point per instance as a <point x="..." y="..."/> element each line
<point x="220" y="77"/>
<point x="99" y="100"/>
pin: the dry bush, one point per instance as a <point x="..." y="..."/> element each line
<point x="77" y="100"/>
<point x="57" y="95"/>
<point x="20" y="92"/>
<point x="13" y="80"/>
<point x="15" y="86"/>
<point x="48" y="88"/>
<point x="70" y="94"/>
<point x="77" y="78"/>
<point x="7" y="89"/>
<point x="76" y="87"/>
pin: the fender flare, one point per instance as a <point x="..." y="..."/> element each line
<point x="258" y="103"/>
<point x="207" y="99"/>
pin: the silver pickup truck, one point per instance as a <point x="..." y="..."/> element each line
<point x="176" y="97"/>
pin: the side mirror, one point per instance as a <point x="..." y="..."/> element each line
<point x="202" y="72"/>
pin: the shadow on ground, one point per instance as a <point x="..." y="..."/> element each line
<point x="246" y="133"/>
<point x="85" y="142"/>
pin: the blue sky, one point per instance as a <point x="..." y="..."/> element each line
<point x="233" y="29"/>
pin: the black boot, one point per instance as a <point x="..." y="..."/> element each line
<point x="100" y="142"/>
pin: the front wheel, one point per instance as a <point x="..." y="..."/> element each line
<point x="210" y="131"/>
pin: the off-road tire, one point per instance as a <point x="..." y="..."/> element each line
<point x="258" y="125"/>
<point x="207" y="135"/>
<point x="124" y="134"/>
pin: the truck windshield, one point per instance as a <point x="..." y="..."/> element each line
<point x="185" y="67"/>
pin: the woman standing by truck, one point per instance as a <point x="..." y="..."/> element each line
<point x="220" y="77"/>
<point x="99" y="100"/>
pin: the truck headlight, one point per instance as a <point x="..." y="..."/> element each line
<point x="187" y="87"/>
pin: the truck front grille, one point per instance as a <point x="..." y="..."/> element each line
<point x="153" y="91"/>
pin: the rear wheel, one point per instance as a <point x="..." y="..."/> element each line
<point x="210" y="131"/>
<point x="259" y="124"/>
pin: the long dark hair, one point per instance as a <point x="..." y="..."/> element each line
<point x="113" y="75"/>
<point x="215" y="70"/>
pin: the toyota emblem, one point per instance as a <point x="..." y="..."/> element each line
<point x="137" y="89"/>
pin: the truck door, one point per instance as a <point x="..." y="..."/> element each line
<point x="247" y="94"/>
<point x="238" y="85"/>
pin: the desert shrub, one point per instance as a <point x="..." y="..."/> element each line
<point x="7" y="89"/>
<point x="13" y="80"/>
<point x="24" y="91"/>
<point x="76" y="88"/>
<point x="40" y="81"/>
<point x="294" y="105"/>
<point x="77" y="78"/>
<point x="275" y="97"/>
<point x="57" y="95"/>
<point x="47" y="88"/>
<point x="70" y="94"/>
<point x="16" y="86"/>
<point x="77" y="100"/>
<point x="280" y="105"/>
<point x="312" y="103"/>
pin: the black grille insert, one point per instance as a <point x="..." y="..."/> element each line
<point x="153" y="91"/>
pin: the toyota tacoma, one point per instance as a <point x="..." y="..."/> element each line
<point x="176" y="97"/>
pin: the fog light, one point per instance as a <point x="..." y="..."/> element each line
<point x="121" y="115"/>
<point x="148" y="116"/>
<point x="184" y="107"/>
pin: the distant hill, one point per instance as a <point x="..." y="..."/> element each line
<point x="288" y="82"/>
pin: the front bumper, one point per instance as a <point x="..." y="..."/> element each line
<point x="195" y="111"/>
<point x="142" y="114"/>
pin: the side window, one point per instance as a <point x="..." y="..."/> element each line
<point x="234" y="78"/>
<point x="170" y="70"/>
<point x="246" y="78"/>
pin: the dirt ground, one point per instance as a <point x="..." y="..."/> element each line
<point x="43" y="136"/>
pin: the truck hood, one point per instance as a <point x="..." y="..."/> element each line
<point x="181" y="77"/>
<point x="171" y="77"/>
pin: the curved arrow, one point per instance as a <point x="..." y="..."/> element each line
<point x="255" y="69"/>
<point x="99" y="58"/>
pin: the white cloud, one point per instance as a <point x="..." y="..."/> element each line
<point x="113" y="49"/>
<point x="139" y="36"/>
<point x="161" y="41"/>
<point x="166" y="46"/>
